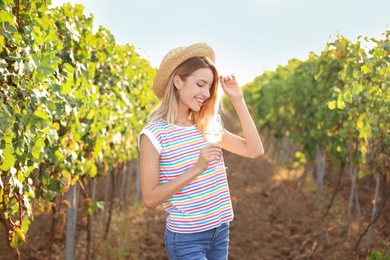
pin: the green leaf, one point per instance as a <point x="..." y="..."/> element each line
<point x="38" y="148"/>
<point x="7" y="17"/>
<point x="6" y="120"/>
<point x="46" y="64"/>
<point x="69" y="67"/>
<point x="356" y="88"/>
<point x="66" y="88"/>
<point x="96" y="205"/>
<point x="332" y="105"/>
<point x="365" y="69"/>
<point x="2" y="41"/>
<point x="3" y="63"/>
<point x="340" y="103"/>
<point x="25" y="224"/>
<point x="10" y="27"/>
<point x="8" y="158"/>
<point x="42" y="114"/>
<point x="347" y="97"/>
<point x="45" y="70"/>
<point x="7" y="2"/>
<point x="92" y="171"/>
<point x="99" y="145"/>
<point x="58" y="155"/>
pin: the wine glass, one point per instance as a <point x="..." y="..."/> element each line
<point x="214" y="131"/>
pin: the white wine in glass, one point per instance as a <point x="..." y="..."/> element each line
<point x="214" y="131"/>
<point x="214" y="137"/>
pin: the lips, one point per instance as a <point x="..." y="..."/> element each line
<point x="200" y="101"/>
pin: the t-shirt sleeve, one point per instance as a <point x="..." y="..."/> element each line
<point x="149" y="133"/>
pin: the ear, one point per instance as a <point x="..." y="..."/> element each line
<point x="177" y="81"/>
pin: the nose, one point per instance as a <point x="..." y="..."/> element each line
<point x="206" y="92"/>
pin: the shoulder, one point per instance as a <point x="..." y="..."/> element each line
<point x="156" y="125"/>
<point x="155" y="131"/>
<point x="159" y="129"/>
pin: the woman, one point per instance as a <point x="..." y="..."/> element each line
<point x="178" y="163"/>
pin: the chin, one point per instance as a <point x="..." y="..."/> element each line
<point x="195" y="109"/>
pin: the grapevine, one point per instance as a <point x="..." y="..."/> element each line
<point x="72" y="104"/>
<point x="335" y="104"/>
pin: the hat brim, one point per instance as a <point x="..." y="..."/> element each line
<point x="176" y="57"/>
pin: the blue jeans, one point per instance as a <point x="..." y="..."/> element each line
<point x="211" y="244"/>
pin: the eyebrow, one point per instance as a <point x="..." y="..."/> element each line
<point x="205" y="81"/>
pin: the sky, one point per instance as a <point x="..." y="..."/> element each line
<point x="248" y="36"/>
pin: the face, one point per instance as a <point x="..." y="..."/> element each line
<point x="195" y="89"/>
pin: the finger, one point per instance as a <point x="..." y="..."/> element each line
<point x="216" y="153"/>
<point x="213" y="158"/>
<point x="212" y="151"/>
<point x="222" y="80"/>
<point x="215" y="145"/>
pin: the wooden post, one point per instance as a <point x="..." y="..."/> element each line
<point x="320" y="155"/>
<point x="138" y="184"/>
<point x="71" y="218"/>
<point x="353" y="172"/>
<point x="122" y="178"/>
<point x="374" y="212"/>
<point x="90" y="222"/>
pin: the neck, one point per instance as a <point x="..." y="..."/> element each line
<point x="184" y="121"/>
<point x="183" y="116"/>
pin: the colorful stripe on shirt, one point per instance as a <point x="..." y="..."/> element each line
<point x="205" y="202"/>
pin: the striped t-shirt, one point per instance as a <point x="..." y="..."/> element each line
<point x="205" y="202"/>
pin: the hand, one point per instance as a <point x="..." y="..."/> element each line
<point x="209" y="153"/>
<point x="230" y="86"/>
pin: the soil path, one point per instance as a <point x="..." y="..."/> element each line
<point x="272" y="219"/>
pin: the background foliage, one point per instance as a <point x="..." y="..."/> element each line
<point x="338" y="100"/>
<point x="72" y="104"/>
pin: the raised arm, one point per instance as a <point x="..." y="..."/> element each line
<point x="250" y="145"/>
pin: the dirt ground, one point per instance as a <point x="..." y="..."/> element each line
<point x="274" y="219"/>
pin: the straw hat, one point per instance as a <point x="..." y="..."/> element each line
<point x="173" y="59"/>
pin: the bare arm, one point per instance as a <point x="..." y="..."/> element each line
<point x="153" y="194"/>
<point x="250" y="145"/>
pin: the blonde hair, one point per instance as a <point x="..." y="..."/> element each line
<point x="167" y="109"/>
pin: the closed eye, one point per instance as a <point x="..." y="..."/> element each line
<point x="203" y="83"/>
